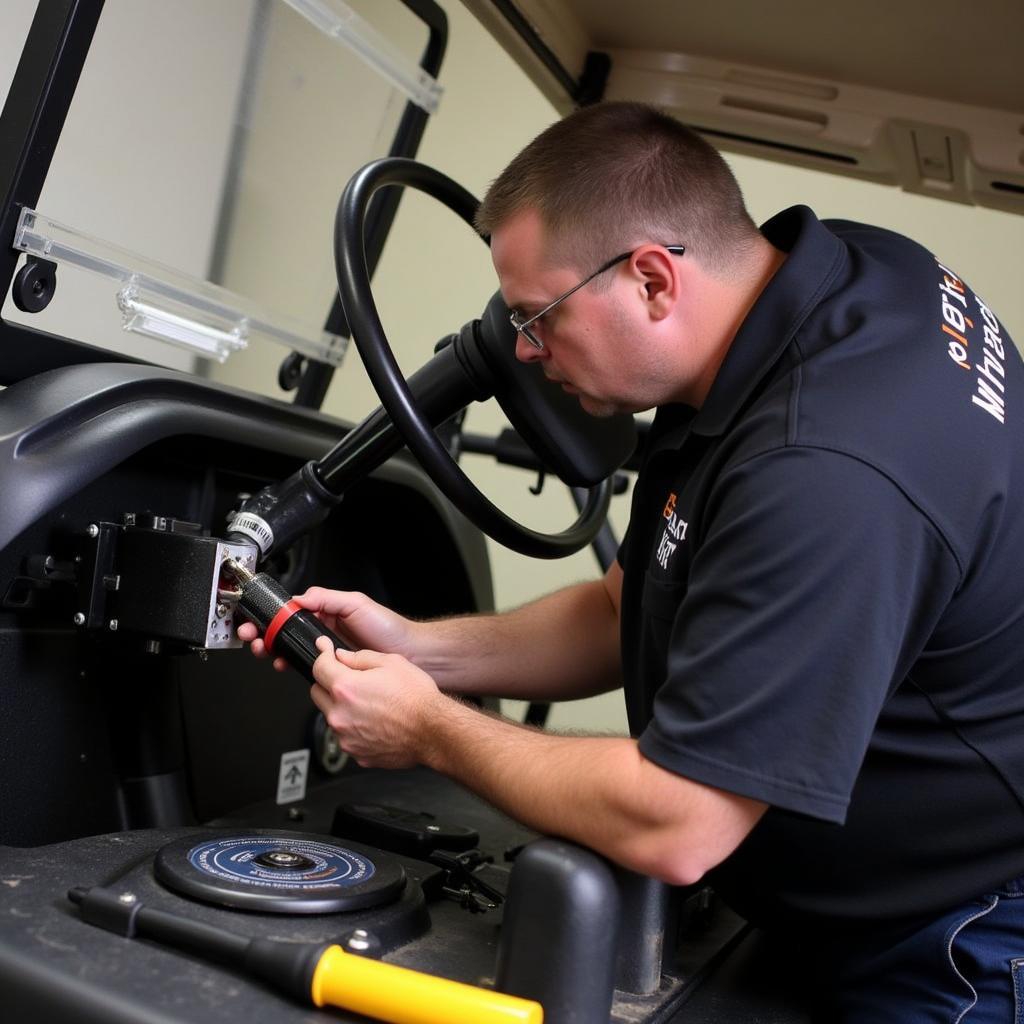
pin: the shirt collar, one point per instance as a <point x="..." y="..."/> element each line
<point x="815" y="256"/>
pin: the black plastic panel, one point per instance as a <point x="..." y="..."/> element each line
<point x="102" y="730"/>
<point x="54" y="967"/>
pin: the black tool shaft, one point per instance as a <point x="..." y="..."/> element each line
<point x="288" y="630"/>
<point x="287" y="965"/>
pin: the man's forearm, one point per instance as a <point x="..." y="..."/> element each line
<point x="563" y="646"/>
<point x="597" y="791"/>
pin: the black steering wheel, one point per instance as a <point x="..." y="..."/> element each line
<point x="391" y="386"/>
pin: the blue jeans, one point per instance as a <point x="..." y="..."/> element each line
<point x="965" y="967"/>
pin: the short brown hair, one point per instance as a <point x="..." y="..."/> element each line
<point x="616" y="175"/>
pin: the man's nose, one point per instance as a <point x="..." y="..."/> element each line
<point x="527" y="353"/>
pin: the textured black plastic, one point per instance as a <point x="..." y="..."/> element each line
<point x="645" y="913"/>
<point x="296" y="641"/>
<point x="106" y="412"/>
<point x="262" y="599"/>
<point x="54" y="968"/>
<point x="559" y="941"/>
<point x="186" y="566"/>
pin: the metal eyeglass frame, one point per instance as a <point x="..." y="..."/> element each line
<point x="523" y="326"/>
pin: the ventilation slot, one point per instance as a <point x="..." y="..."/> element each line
<point x="804" y="117"/>
<point x="794" y="87"/>
<point x="785" y="147"/>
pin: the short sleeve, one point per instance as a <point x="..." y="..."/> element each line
<point x="814" y="585"/>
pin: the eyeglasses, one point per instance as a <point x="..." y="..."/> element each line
<point x="523" y="326"/>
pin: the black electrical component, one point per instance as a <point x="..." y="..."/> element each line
<point x="288" y="630"/>
<point x="414" y="833"/>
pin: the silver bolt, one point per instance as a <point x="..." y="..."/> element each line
<point x="79" y="619"/>
<point x="360" y="944"/>
<point x="222" y="610"/>
<point x="127" y="897"/>
<point x="112" y="625"/>
<point x="93" y="530"/>
<point x="433" y="828"/>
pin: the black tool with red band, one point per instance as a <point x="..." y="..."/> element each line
<point x="289" y="631"/>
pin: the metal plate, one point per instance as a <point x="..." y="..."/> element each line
<point x="279" y="872"/>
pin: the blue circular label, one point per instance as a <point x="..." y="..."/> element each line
<point x="282" y="864"/>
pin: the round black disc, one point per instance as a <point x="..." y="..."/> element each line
<point x="279" y="872"/>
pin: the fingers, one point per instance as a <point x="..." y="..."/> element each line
<point x="322" y="700"/>
<point x="362" y="660"/>
<point x="248" y="631"/>
<point x="325" y="667"/>
<point x="322" y="667"/>
<point x="331" y="602"/>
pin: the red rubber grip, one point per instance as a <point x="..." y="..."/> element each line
<point x="285" y="612"/>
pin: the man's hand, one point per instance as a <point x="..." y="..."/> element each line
<point x="358" y="620"/>
<point x="379" y="705"/>
<point x="524" y="654"/>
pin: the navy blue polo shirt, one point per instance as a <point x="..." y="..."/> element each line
<point x="823" y="600"/>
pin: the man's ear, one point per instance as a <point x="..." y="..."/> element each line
<point x="658" y="275"/>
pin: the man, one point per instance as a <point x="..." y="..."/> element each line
<point x="816" y="613"/>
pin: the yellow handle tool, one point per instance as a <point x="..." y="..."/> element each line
<point x="402" y="996"/>
<point x="325" y="974"/>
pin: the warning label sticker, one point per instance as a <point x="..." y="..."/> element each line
<point x="291" y="780"/>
